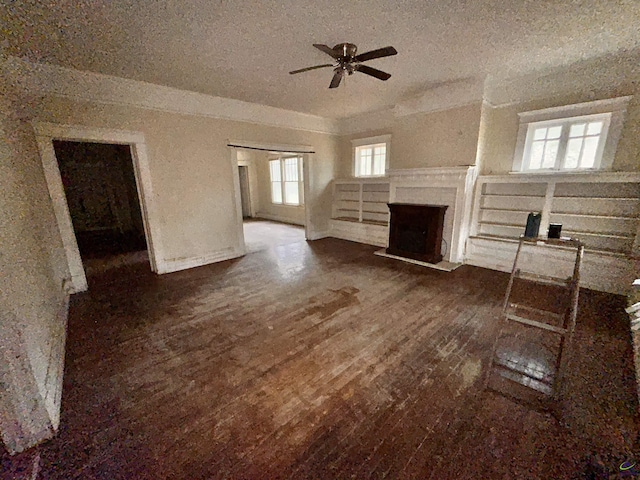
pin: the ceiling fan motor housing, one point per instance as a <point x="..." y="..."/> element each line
<point x="347" y="50"/>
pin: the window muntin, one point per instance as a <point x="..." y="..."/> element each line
<point x="371" y="160"/>
<point x="286" y="181"/>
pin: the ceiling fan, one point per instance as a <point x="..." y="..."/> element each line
<point x="347" y="62"/>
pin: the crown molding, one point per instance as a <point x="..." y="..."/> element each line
<point x="46" y="79"/>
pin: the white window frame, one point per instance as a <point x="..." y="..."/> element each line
<point x="300" y="182"/>
<point x="610" y="111"/>
<point x="360" y="143"/>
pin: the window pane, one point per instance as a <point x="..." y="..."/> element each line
<point x="379" y="165"/>
<point x="536" y="155"/>
<point x="550" y="153"/>
<point x="366" y="159"/>
<point x="379" y="159"/>
<point x="573" y="153"/>
<point x="594" y="128"/>
<point x="276" y="192"/>
<point x="554" y="132"/>
<point x="540" y="133"/>
<point x="589" y="153"/>
<point x="291" y="193"/>
<point x="274" y="169"/>
<point x="291" y="170"/>
<point x="577" y="130"/>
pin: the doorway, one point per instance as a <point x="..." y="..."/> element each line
<point x="271" y="195"/>
<point x="101" y="193"/>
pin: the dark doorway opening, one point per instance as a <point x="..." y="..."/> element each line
<point x="100" y="187"/>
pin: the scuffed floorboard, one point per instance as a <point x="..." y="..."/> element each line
<point x="321" y="360"/>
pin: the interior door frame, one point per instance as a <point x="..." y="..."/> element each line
<point x="46" y="133"/>
<point x="306" y="151"/>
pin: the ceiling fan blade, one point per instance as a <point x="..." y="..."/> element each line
<point x="374" y="72"/>
<point x="311" y="68"/>
<point x="326" y="49"/>
<point x="337" y="77"/>
<point x="379" y="53"/>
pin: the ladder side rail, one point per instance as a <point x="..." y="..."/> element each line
<point x="572" y="310"/>
<point x="503" y="318"/>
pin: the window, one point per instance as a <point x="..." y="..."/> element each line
<point x="286" y="181"/>
<point x="571" y="138"/>
<point x="574" y="143"/>
<point x="371" y="156"/>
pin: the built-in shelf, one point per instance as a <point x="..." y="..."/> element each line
<point x="600" y="209"/>
<point x="359" y="210"/>
<point x="362" y="198"/>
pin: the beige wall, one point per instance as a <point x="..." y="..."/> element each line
<point x="191" y="171"/>
<point x="32" y="269"/>
<point x="501" y="131"/>
<point x="445" y="138"/>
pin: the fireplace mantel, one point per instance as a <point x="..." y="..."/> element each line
<point x="450" y="186"/>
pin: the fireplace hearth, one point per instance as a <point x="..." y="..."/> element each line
<point x="415" y="231"/>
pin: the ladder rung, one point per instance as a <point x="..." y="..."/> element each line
<point x="533" y="323"/>
<point x="546" y="279"/>
<point x="539" y="311"/>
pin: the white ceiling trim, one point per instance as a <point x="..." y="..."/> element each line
<point x="45" y="79"/>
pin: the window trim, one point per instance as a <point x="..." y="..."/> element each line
<point x="370" y="141"/>
<point x="612" y="110"/>
<point x="281" y="159"/>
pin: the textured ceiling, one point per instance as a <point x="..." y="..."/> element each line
<point x="244" y="50"/>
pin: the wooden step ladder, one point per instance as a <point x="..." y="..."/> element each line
<point x="561" y="325"/>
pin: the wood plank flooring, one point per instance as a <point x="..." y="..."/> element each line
<point x="322" y="361"/>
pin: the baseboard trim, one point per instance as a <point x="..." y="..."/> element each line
<point x="177" y="264"/>
<point x="278" y="218"/>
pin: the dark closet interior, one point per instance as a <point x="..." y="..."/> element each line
<point x="100" y="187"/>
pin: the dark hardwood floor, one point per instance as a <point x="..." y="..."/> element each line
<point x="322" y="361"/>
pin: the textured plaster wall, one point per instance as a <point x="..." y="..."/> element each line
<point x="191" y="171"/>
<point x="501" y="131"/>
<point x="32" y="271"/>
<point x="445" y="138"/>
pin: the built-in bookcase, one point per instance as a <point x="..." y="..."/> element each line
<point x="360" y="212"/>
<point x="604" y="216"/>
<point x="361" y="200"/>
<point x="599" y="208"/>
